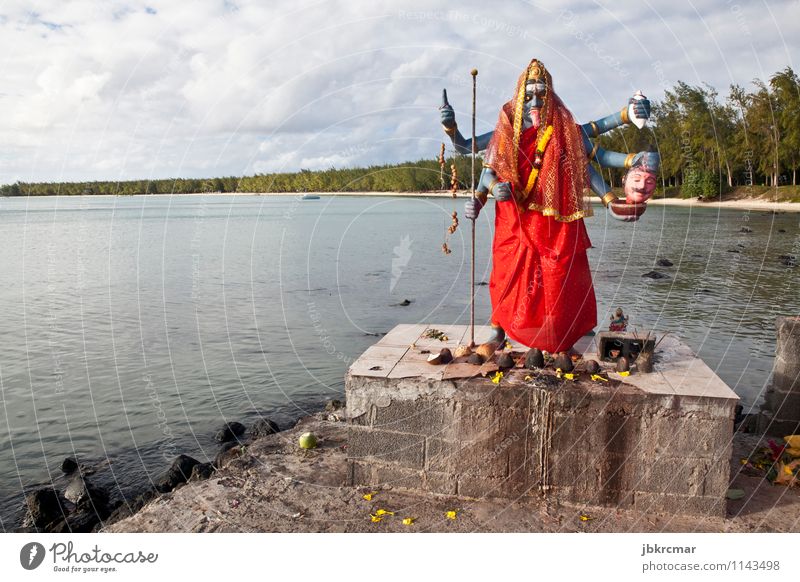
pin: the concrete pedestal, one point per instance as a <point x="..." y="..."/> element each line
<point x="651" y="442"/>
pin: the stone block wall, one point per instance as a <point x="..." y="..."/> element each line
<point x="582" y="442"/>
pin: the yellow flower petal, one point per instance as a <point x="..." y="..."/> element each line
<point x="384" y="512"/>
<point x="375" y="518"/>
<point x="624" y="374"/>
<point x="369" y="496"/>
<point x="452" y="514"/>
<point x="585" y="517"/>
<point x="787" y="470"/>
<point x="570" y="376"/>
<point x="597" y="378"/>
<point x="409" y="520"/>
<point x="528" y="378"/>
<point x="497" y="377"/>
<point x="793" y="440"/>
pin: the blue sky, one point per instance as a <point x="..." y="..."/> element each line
<point x="95" y="90"/>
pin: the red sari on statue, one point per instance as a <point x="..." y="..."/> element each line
<point x="541" y="286"/>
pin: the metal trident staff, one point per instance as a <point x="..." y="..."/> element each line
<point x="474" y="74"/>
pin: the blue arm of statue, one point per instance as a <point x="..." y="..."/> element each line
<point x="596" y="182"/>
<point x="460" y="143"/>
<point x="641" y="109"/>
<point x="609" y="159"/>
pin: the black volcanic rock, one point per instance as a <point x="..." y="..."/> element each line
<point x="177" y="474"/>
<point x="264" y="427"/>
<point x="69" y="465"/>
<point x="564" y="362"/>
<point x="592" y="366"/>
<point x="534" y="359"/>
<point x="655" y="275"/>
<point x="44" y="506"/>
<point x="505" y="361"/>
<point x="230" y="432"/>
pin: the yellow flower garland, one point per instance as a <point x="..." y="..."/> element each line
<point x="540" y="147"/>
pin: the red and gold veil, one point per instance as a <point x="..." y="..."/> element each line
<point x="559" y="187"/>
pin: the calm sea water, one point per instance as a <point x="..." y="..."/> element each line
<point x="132" y="327"/>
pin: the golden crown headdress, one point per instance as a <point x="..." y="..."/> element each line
<point x="536" y="71"/>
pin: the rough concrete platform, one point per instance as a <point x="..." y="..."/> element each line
<point x="657" y="442"/>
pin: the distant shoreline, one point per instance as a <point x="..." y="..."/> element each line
<point x="740" y="204"/>
<point x="754" y="204"/>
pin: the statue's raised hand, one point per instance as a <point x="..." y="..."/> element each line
<point x="641" y="107"/>
<point x="447" y="114"/>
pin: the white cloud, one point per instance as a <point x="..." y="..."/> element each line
<point x="102" y="90"/>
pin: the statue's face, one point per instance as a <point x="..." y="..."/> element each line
<point x="534" y="99"/>
<point x="639" y="185"/>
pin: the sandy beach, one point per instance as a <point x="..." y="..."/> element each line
<point x="755" y="204"/>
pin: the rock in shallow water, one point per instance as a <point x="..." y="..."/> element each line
<point x="69" y="465"/>
<point x="78" y="522"/>
<point x="82" y="492"/>
<point x="44" y="506"/>
<point x="655" y="275"/>
<point x="177" y="474"/>
<point x="229" y="432"/>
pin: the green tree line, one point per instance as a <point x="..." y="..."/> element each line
<point x="420" y="176"/>
<point x="708" y="144"/>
